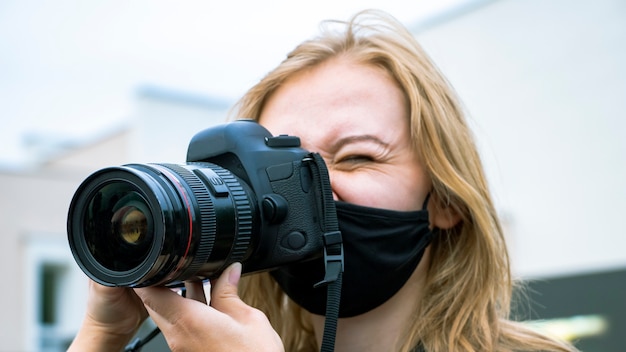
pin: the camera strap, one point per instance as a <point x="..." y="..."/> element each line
<point x="333" y="252"/>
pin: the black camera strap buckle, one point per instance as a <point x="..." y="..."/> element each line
<point x="333" y="278"/>
<point x="333" y="258"/>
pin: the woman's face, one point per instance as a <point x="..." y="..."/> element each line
<point x="356" y="117"/>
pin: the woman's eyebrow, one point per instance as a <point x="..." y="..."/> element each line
<point x="341" y="142"/>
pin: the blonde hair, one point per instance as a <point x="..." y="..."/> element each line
<point x="469" y="284"/>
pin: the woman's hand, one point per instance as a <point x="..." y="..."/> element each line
<point x="227" y="324"/>
<point x="113" y="316"/>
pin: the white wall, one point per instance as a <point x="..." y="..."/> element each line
<point x="545" y="83"/>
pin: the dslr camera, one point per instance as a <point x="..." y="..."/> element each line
<point x="243" y="195"/>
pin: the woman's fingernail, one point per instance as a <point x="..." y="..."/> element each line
<point x="234" y="273"/>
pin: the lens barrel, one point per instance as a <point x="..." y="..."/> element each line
<point x="160" y="224"/>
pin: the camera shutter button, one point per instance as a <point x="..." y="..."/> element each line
<point x="282" y="141"/>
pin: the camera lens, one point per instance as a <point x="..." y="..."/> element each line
<point x="160" y="224"/>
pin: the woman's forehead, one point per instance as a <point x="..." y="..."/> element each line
<point x="336" y="95"/>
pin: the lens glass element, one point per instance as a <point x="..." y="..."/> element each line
<point x="130" y="224"/>
<point x="118" y="226"/>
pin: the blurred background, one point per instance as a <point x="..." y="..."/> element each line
<point x="86" y="84"/>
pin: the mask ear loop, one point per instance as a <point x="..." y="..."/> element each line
<point x="425" y="205"/>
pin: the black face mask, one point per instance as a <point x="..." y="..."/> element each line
<point x="382" y="248"/>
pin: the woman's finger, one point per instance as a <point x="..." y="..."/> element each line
<point x="195" y="291"/>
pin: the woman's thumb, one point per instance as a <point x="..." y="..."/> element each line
<point x="234" y="274"/>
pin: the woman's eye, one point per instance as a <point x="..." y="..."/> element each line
<point x="356" y="159"/>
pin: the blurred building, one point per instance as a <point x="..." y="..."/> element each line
<point x="46" y="297"/>
<point x="44" y="294"/>
<point x="544" y="83"/>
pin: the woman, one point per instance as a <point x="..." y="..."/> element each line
<point x="397" y="147"/>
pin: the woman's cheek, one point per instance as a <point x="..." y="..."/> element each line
<point x="362" y="190"/>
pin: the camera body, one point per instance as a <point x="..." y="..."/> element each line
<point x="278" y="171"/>
<point x="243" y="195"/>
